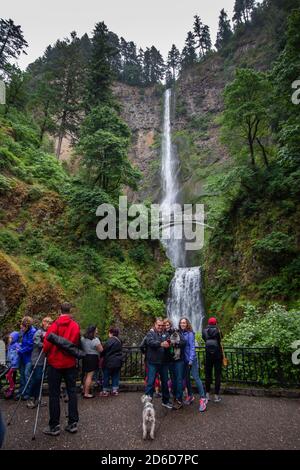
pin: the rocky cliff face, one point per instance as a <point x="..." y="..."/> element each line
<point x="141" y="108"/>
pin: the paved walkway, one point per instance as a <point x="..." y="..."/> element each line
<point x="238" y="422"/>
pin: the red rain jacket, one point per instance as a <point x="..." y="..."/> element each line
<point x="66" y="327"/>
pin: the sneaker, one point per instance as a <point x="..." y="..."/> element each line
<point x="217" y="399"/>
<point x="72" y="428"/>
<point x="104" y="394"/>
<point x="157" y="395"/>
<point x="52" y="431"/>
<point x="31" y="404"/>
<point x="168" y="405"/>
<point x="115" y="393"/>
<point x="177" y="405"/>
<point x="189" y="400"/>
<point x="202" y="404"/>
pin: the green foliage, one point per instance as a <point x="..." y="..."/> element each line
<point x="92" y="306"/>
<point x="277" y="327"/>
<point x="9" y="241"/>
<point x="46" y="169"/>
<point x="5" y="184"/>
<point x="162" y="280"/>
<point x="275" y="243"/>
<point x="103" y="144"/>
<point x="126" y="279"/>
<point x="139" y="254"/>
<point x="92" y="261"/>
<point x="39" y="266"/>
<point x="56" y="257"/>
<point x="247" y="102"/>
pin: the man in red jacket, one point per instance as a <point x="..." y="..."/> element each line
<point x="61" y="365"/>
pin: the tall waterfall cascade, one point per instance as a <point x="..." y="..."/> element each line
<point x="185" y="291"/>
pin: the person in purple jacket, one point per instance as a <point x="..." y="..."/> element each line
<point x="25" y="351"/>
<point x="12" y="359"/>
<point x="191" y="364"/>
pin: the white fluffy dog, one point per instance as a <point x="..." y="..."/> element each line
<point x="148" y="417"/>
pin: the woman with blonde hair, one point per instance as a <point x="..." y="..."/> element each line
<point x="191" y="364"/>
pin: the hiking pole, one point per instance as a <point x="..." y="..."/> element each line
<point x="40" y="400"/>
<point x="24" y="389"/>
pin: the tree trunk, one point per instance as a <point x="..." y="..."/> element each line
<point x="263" y="152"/>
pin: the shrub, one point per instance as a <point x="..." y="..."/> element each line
<point x="57" y="258"/>
<point x="162" y="281"/>
<point x="277" y="327"/>
<point x="5" y="184"/>
<point x="125" y="278"/>
<point x="91" y="260"/>
<point x="92" y="306"/>
<point x="139" y="254"/>
<point x="39" y="266"/>
<point x="9" y="241"/>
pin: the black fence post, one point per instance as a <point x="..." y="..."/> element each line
<point x="280" y="376"/>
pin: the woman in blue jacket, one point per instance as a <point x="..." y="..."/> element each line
<point x="25" y="351"/>
<point x="191" y="364"/>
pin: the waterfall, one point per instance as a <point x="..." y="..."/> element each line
<point x="185" y="296"/>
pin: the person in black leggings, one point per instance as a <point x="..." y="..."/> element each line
<point x="213" y="357"/>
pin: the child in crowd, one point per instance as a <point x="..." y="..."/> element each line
<point x="12" y="358"/>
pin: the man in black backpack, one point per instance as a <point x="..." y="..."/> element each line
<point x="213" y="357"/>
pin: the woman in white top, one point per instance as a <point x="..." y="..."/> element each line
<point x="92" y="347"/>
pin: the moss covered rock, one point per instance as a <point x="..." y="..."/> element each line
<point x="12" y="286"/>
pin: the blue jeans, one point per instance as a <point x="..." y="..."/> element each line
<point x="162" y="369"/>
<point x="194" y="371"/>
<point x="34" y="386"/>
<point x="176" y="369"/>
<point x="24" y="376"/>
<point x="114" y="374"/>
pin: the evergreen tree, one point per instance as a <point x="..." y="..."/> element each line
<point x="69" y="73"/>
<point x="189" y="55"/>
<point x="169" y="78"/>
<point x="242" y="11"/>
<point x="100" y="73"/>
<point x="206" y="39"/>
<point x="16" y="94"/>
<point x="131" y="63"/>
<point x="198" y="34"/>
<point x="115" y="59"/>
<point x="153" y="66"/>
<point x="43" y="104"/>
<point x="173" y="61"/>
<point x="224" y="31"/>
<point x="12" y="42"/>
<point x="202" y="35"/>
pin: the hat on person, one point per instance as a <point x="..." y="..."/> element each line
<point x="212" y="321"/>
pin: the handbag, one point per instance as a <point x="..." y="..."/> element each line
<point x="225" y="360"/>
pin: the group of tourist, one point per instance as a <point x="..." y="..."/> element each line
<point x="170" y="360"/>
<point x="171" y="354"/>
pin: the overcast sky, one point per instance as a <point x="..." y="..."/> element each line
<point x="146" y="22"/>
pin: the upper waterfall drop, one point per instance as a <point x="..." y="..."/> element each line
<point x="185" y="295"/>
<point x="170" y="185"/>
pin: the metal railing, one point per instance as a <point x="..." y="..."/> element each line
<point x="249" y="366"/>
